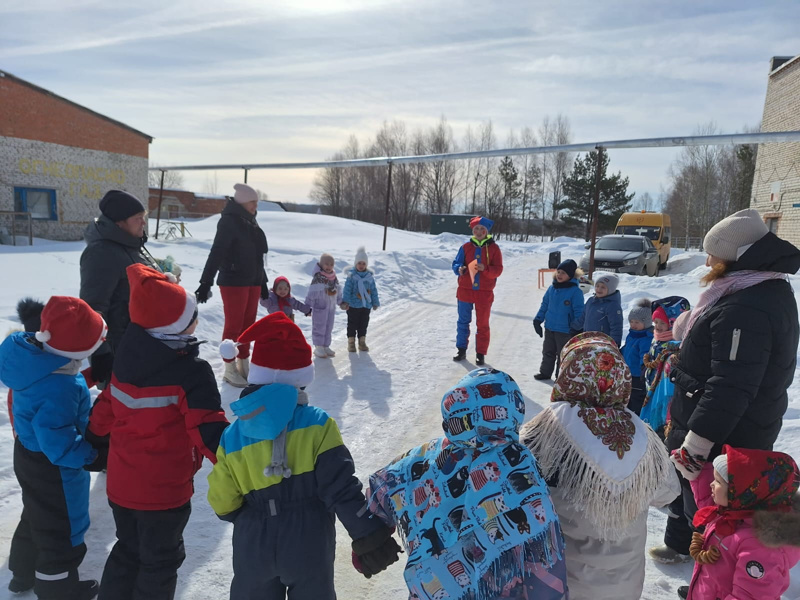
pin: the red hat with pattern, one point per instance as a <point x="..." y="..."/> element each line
<point x="157" y="303"/>
<point x="281" y="353"/>
<point x="70" y="328"/>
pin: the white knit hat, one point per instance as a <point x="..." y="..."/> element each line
<point x="244" y="193"/>
<point x="721" y="466"/>
<point x="731" y="237"/>
<point x="361" y="255"/>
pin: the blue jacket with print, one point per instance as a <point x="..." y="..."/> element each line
<point x="562" y="307"/>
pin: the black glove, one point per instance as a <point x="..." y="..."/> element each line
<point x="375" y="552"/>
<point x="203" y="293"/>
<point x="537" y="325"/>
<point x="264" y="290"/>
<point x="574" y="332"/>
<point x="99" y="443"/>
<point x="101" y="366"/>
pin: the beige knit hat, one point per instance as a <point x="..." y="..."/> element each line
<point x="244" y="193"/>
<point x="731" y="237"/>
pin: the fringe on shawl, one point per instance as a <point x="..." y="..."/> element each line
<point x="611" y="506"/>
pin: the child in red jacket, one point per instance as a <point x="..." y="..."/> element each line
<point x="751" y="518"/>
<point x="162" y="409"/>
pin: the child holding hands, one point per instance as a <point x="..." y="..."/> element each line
<point x="360" y="297"/>
<point x="324" y="295"/>
<point x="280" y="299"/>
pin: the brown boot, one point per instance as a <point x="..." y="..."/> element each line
<point x="351" y="344"/>
<point x="362" y="344"/>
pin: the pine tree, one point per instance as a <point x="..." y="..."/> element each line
<point x="579" y="194"/>
<point x="509" y="177"/>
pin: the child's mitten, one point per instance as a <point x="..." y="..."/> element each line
<point x="692" y="455"/>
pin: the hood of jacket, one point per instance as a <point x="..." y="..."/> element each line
<point x="23" y="363"/>
<point x="140" y="355"/>
<point x="264" y="411"/>
<point x="103" y="228"/>
<point x="775" y="529"/>
<point x="233" y="208"/>
<point x="483" y="410"/>
<point x="770" y="253"/>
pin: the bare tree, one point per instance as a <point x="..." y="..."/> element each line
<point x="562" y="162"/>
<point x="173" y="180"/>
<point x="211" y="184"/>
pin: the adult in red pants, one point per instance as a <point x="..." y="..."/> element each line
<point x="238" y="254"/>
<point x="478" y="264"/>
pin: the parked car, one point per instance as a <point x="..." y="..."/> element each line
<point x="634" y="254"/>
<point x="654" y="226"/>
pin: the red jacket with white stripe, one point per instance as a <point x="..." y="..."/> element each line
<point x="162" y="409"/>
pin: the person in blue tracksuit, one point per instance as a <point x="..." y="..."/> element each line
<point x="603" y="311"/>
<point x="51" y="454"/>
<point x="360" y="297"/>
<point x="637" y="344"/>
<point x="561" y="312"/>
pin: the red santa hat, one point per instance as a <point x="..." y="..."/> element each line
<point x="157" y="303"/>
<point x="281" y="353"/>
<point x="70" y="328"/>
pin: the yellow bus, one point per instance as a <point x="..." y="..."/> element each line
<point x="653" y="225"/>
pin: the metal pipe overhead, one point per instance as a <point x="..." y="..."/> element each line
<point x="663" y="142"/>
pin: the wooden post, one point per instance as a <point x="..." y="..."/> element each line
<point x="160" y="198"/>
<point x="386" y="216"/>
<point x="596" y="207"/>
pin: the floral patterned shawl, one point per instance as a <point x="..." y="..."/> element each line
<point x="604" y="456"/>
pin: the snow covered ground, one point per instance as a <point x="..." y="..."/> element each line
<point x="386" y="401"/>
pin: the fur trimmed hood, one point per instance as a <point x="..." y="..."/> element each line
<point x="775" y="529"/>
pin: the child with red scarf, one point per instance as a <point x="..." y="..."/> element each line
<point x="751" y="515"/>
<point x="280" y="299"/>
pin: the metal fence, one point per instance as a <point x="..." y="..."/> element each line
<point x="12" y="217"/>
<point x="691" y="243"/>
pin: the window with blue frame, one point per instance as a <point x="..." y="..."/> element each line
<point x="41" y="203"/>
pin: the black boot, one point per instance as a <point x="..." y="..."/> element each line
<point x="479" y="359"/>
<point x="18" y="585"/>
<point x="683" y="591"/>
<point x="462" y="354"/>
<point x="540" y="376"/>
<point x="82" y="590"/>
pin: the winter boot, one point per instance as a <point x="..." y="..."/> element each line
<point x="243" y="365"/>
<point x="82" y="590"/>
<point x="666" y="555"/>
<point x="232" y="376"/>
<point x="18" y="585"/>
<point x="329" y="352"/>
<point x="362" y="344"/>
<point x="479" y="359"/>
<point x="683" y="592"/>
<point x="541" y="376"/>
<point x="319" y="352"/>
<point x="351" y="344"/>
<point x="461" y="355"/>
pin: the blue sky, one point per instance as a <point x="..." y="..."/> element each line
<point x="261" y="81"/>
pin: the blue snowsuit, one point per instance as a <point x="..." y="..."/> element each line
<point x="51" y="411"/>
<point x="604" y="315"/>
<point x="637" y="344"/>
<point x="562" y="307"/>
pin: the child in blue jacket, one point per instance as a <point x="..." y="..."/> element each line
<point x="359" y="298"/>
<point x="561" y="313"/>
<point x="603" y="311"/>
<point x="637" y="344"/>
<point x="51" y="454"/>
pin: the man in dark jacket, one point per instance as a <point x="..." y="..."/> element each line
<point x="238" y="254"/>
<point x="114" y="241"/>
<point x="738" y="355"/>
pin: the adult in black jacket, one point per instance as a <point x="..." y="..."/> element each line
<point x="238" y="254"/>
<point x="738" y="355"/>
<point x="114" y="241"/>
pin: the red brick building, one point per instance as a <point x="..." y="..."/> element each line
<point x="58" y="158"/>
<point x="181" y="203"/>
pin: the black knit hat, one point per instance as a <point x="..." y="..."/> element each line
<point x="569" y="266"/>
<point x="118" y="205"/>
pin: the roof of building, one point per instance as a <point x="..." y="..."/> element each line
<point x="6" y="74"/>
<point x="778" y="63"/>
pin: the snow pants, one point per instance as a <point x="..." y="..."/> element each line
<point x="143" y="564"/>
<point x="638" y="393"/>
<point x="357" y="321"/>
<point x="286" y="550"/>
<point x="554" y="342"/>
<point x="322" y="323"/>
<point x="47" y="547"/>
<point x="482" y="301"/>
<point x="240" y="305"/>
<point x="678" y="534"/>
